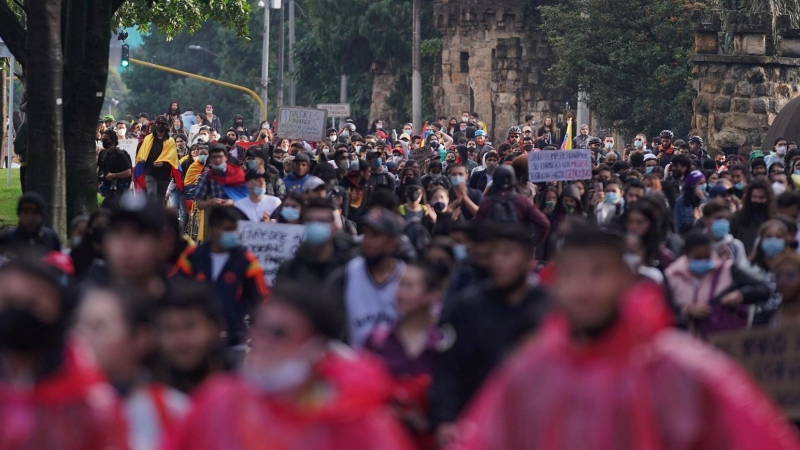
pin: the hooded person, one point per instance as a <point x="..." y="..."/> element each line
<point x="30" y="234"/>
<point x="608" y="368"/>
<point x="299" y="390"/>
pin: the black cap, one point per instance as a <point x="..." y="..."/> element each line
<point x="143" y="114"/>
<point x="139" y="210"/>
<point x="253" y="174"/>
<point x="32" y="199"/>
<point x="384" y="221"/>
<point x="380" y="143"/>
<point x="258" y="151"/>
<point x="302" y="157"/>
<point x="414" y="183"/>
<point x="331" y="130"/>
<point x="161" y="118"/>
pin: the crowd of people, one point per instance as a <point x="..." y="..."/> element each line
<point x="439" y="298"/>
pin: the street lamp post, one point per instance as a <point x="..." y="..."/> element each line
<point x="203" y="49"/>
<point x="265" y="56"/>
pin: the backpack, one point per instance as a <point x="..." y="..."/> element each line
<point x="417" y="234"/>
<point x="503" y="209"/>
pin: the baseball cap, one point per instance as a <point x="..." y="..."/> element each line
<point x="140" y="211"/>
<point x="313" y="183"/>
<point x="384" y="222"/>
<point x="404" y="136"/>
<point x="143" y="114"/>
<point x="108" y="118"/>
<point x="649" y="156"/>
<point x="161" y="118"/>
<point x="524" y="129"/>
<point x="301" y="157"/>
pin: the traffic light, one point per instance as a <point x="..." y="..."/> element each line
<point x="126" y="53"/>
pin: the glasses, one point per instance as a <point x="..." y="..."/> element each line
<point x="513" y="135"/>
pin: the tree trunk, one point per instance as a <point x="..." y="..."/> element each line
<point x="86" y="73"/>
<point x="45" y="144"/>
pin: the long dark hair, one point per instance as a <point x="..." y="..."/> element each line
<point x="655" y="232"/>
<point x="748" y="213"/>
<point x="169" y="108"/>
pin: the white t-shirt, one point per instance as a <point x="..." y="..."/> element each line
<point x="218" y="261"/>
<point x="255" y="211"/>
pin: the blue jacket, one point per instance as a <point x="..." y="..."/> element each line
<point x="293" y="183"/>
<point x="188" y="118"/>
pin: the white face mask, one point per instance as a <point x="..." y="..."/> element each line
<point x="291" y="372"/>
<point x="632" y="260"/>
<point x="121" y="131"/>
<point x="202" y="138"/>
<point x="781" y="149"/>
<point x="778" y="188"/>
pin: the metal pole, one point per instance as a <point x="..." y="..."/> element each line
<point x="280" y="59"/>
<point x="342" y="97"/>
<point x="10" y="118"/>
<point x="416" y="77"/>
<point x="292" y="93"/>
<point x="265" y="61"/>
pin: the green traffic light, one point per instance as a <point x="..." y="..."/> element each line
<point x="124" y="63"/>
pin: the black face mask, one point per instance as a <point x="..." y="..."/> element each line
<point x="414" y="195"/>
<point x="22" y="331"/>
<point x="161" y="128"/>
<point x="373" y="261"/>
<point x="107" y="144"/>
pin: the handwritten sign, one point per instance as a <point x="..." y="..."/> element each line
<point x="336" y="109"/>
<point x="772" y="357"/>
<point x="129" y="146"/>
<point x="305" y="124"/>
<point x="421" y="156"/>
<point x="558" y="165"/>
<point x="271" y="243"/>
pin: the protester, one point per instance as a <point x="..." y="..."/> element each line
<point x="30" y="234"/>
<point x="257" y="206"/>
<point x="157" y="162"/>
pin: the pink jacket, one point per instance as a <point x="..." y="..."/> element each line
<point x="688" y="289"/>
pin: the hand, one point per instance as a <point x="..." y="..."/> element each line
<point x="698" y="311"/>
<point x="227" y="202"/>
<point x="158" y="164"/>
<point x="109" y="176"/>
<point x="446" y="434"/>
<point x="732" y="299"/>
<point x="219" y="202"/>
<point x="265" y="217"/>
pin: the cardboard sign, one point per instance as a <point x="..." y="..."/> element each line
<point x="336" y="109"/>
<point x="129" y="146"/>
<point x="271" y="243"/>
<point x="305" y="124"/>
<point x="421" y="156"/>
<point x="559" y="165"/>
<point x="772" y="357"/>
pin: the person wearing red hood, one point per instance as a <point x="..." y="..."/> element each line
<point x="297" y="389"/>
<point x="609" y="372"/>
<point x="51" y="395"/>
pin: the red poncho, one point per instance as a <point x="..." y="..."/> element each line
<point x="71" y="409"/>
<point x="642" y="386"/>
<point x="231" y="414"/>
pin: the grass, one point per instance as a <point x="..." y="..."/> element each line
<point x="8" y="198"/>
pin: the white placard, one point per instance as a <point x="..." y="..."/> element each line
<point x="305" y="124"/>
<point x="559" y="165"/>
<point x="271" y="243"/>
<point x="336" y="109"/>
<point x="129" y="146"/>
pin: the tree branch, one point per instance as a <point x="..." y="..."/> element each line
<point x="115" y="5"/>
<point x="12" y="33"/>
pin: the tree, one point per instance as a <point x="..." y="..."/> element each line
<point x="82" y="30"/>
<point x="630" y="56"/>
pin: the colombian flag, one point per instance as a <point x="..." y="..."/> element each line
<point x="567" y="143"/>
<point x="169" y="155"/>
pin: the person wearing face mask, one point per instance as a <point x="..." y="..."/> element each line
<point x="303" y="389"/>
<point x="711" y="292"/>
<point x="258" y="159"/>
<point x="687" y="206"/>
<point x="333" y="137"/>
<point x="222" y="184"/>
<point x="367" y="285"/>
<point x="758" y="206"/>
<point x="235" y="272"/>
<point x="50" y="395"/>
<point x="464" y="197"/>
<point x="778" y="152"/>
<point x="114" y="169"/>
<point x="257" y="206"/>
<point x="435" y="177"/>
<point x="415" y="207"/>
<point x="378" y="173"/>
<point x="291" y="208"/>
<point x="716" y="222"/>
<point x="157" y="162"/>
<point x="609" y="203"/>
<point x="323" y="251"/>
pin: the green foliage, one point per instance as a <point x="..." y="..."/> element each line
<point x="632" y="58"/>
<point x="186" y="16"/>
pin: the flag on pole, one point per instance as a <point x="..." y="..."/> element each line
<point x="567" y="143"/>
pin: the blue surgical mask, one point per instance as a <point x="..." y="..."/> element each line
<point x="612" y="197"/>
<point x="648" y="170"/>
<point x="251" y="164"/>
<point x="289" y="213"/>
<point x="460" y="252"/>
<point x="318" y="233"/>
<point x="550" y="204"/>
<point x="229" y="240"/>
<point x="377" y="162"/>
<point x="259" y="191"/>
<point x="739" y="185"/>
<point x="202" y="158"/>
<point x="220" y="167"/>
<point x="797" y="172"/>
<point x="457" y="181"/>
<point x="772" y="246"/>
<point x="638" y="144"/>
<point x="720" y="228"/>
<point x="700" y="267"/>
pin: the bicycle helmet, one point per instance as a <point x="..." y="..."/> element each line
<point x="594" y="140"/>
<point x="696" y="140"/>
<point x="514" y="129"/>
<point x="667" y="134"/>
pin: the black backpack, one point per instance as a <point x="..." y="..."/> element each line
<point x="503" y="209"/>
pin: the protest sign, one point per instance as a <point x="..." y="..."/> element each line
<point x="559" y="165"/>
<point x="772" y="357"/>
<point x="129" y="146"/>
<point x="336" y="109"/>
<point x="421" y="156"/>
<point x="271" y="243"/>
<point x="305" y="124"/>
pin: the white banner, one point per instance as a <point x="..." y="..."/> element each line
<point x="271" y="243"/>
<point x="559" y="165"/>
<point x="129" y="146"/>
<point x="336" y="109"/>
<point x="305" y="124"/>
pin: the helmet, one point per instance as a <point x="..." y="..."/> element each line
<point x="667" y="134"/>
<point x="350" y="126"/>
<point x="594" y="140"/>
<point x="504" y="177"/>
<point x="696" y="140"/>
<point x="514" y="129"/>
<point x="480" y="133"/>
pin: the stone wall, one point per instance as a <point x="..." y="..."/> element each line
<point x="741" y="89"/>
<point x="494" y="59"/>
<point x="382" y="85"/>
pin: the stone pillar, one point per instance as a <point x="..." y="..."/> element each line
<point x="382" y="85"/>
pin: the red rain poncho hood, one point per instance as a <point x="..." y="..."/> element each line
<point x="641" y="386"/>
